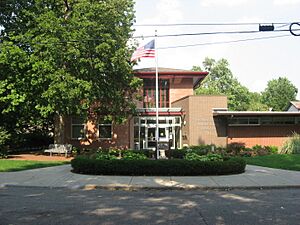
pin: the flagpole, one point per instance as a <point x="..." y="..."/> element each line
<point x="156" y="99"/>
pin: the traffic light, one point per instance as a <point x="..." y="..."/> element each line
<point x="266" y="27"/>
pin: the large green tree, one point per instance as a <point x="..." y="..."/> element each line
<point x="61" y="57"/>
<point x="256" y="103"/>
<point x="278" y="93"/>
<point x="221" y="81"/>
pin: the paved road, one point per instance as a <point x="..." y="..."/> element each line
<point x="37" y="205"/>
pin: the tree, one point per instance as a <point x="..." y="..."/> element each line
<point x="221" y="81"/>
<point x="278" y="93"/>
<point x="256" y="102"/>
<point x="61" y="57"/>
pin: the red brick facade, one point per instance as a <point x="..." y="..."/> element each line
<point x="120" y="136"/>
<point x="199" y="123"/>
<point x="261" y="135"/>
<point x="200" y="127"/>
<point x="180" y="88"/>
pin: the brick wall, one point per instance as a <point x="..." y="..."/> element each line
<point x="180" y="88"/>
<point x="201" y="127"/>
<point x="184" y="104"/>
<point x="120" y="136"/>
<point x="261" y="135"/>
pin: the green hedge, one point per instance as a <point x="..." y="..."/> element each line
<point x="173" y="167"/>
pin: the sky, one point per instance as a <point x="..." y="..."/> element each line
<point x="253" y="63"/>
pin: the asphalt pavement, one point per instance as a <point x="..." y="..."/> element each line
<point x="255" y="177"/>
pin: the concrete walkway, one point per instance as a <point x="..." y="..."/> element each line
<point x="62" y="177"/>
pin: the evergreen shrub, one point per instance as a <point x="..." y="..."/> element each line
<point x="149" y="167"/>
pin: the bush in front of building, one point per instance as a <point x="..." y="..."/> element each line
<point x="203" y="158"/>
<point x="239" y="149"/>
<point x="148" y="167"/>
<point x="197" y="149"/>
<point x="292" y="145"/>
<point x="259" y="150"/>
<point x="130" y="155"/>
<point x="176" y="153"/>
<point x="4" y="137"/>
<point x="235" y="148"/>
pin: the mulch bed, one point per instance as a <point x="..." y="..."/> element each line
<point x="34" y="157"/>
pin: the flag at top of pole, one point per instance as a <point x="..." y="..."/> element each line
<point x="146" y="51"/>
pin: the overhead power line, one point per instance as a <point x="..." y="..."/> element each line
<point x="226" y="42"/>
<point x="188" y="34"/>
<point x="206" y="24"/>
<point x="209" y="33"/>
<point x="169" y="47"/>
<point x="59" y="42"/>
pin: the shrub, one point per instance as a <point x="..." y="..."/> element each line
<point x="4" y="137"/>
<point x="104" y="156"/>
<point x="203" y="158"/>
<point x="272" y="149"/>
<point x="129" y="155"/>
<point x="111" y="154"/>
<point x="197" y="149"/>
<point x="292" y="145"/>
<point x="200" y="149"/>
<point x="235" y="148"/>
<point x="258" y="150"/>
<point x="174" y="167"/>
<point x="177" y="153"/>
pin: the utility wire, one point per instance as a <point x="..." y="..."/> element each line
<point x="210" y="33"/>
<point x="205" y="24"/>
<point x="170" y="47"/>
<point x="192" y="34"/>
<point x="225" y="42"/>
<point x="292" y="31"/>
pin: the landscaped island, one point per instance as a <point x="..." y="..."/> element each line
<point x="181" y="163"/>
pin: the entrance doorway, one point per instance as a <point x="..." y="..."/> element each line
<point x="169" y="132"/>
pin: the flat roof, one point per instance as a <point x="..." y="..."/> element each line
<point x="253" y="113"/>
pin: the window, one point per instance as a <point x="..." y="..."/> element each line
<point x="266" y="120"/>
<point x="78" y="128"/>
<point x="244" y="121"/>
<point x="105" y="129"/>
<point x="275" y="120"/>
<point x="149" y="93"/>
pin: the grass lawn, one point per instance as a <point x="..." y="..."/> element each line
<point x="17" y="165"/>
<point x="288" y="162"/>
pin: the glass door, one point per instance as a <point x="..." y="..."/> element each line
<point x="150" y="141"/>
<point x="169" y="132"/>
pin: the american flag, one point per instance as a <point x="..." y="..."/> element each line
<point x="146" y="51"/>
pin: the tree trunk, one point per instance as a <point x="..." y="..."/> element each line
<point x="59" y="129"/>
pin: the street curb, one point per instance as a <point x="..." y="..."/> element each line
<point x="143" y="188"/>
<point x="219" y="188"/>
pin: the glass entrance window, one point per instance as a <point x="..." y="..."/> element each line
<point x="169" y="131"/>
<point x="162" y="132"/>
<point x="151" y="134"/>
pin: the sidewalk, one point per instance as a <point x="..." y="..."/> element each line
<point x="62" y="177"/>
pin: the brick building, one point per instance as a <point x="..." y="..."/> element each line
<point x="184" y="119"/>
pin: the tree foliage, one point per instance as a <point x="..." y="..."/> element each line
<point x="221" y="81"/>
<point x="256" y="103"/>
<point x="278" y="93"/>
<point x="63" y="56"/>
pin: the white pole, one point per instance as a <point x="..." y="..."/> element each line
<point x="156" y="98"/>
